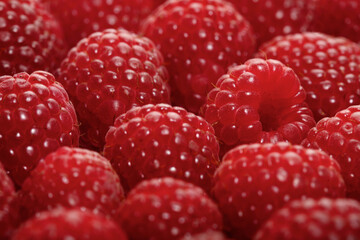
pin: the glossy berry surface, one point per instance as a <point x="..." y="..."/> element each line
<point x="339" y="136"/>
<point x="270" y="18"/>
<point x="199" y="40"/>
<point x="81" y="18"/>
<point x="259" y="101"/>
<point x="208" y="235"/>
<point x="314" y="219"/>
<point x="36" y="118"/>
<point x="30" y="38"/>
<point x="338" y="18"/>
<point x="72" y="177"/>
<point x="69" y="224"/>
<point x="108" y="73"/>
<point x="160" y="140"/>
<point x="328" y="68"/>
<point x="255" y="180"/>
<point x="166" y="208"/>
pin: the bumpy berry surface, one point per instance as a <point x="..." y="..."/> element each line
<point x="255" y="180"/>
<point x="208" y="235"/>
<point x="36" y="118"/>
<point x="72" y="177"/>
<point x="270" y="18"/>
<point x="82" y="18"/>
<point x="69" y="224"/>
<point x="30" y="38"/>
<point x="160" y="140"/>
<point x="167" y="208"/>
<point x="338" y="18"/>
<point x="199" y="40"/>
<point x="314" y="219"/>
<point x="108" y="73"/>
<point x="259" y="101"/>
<point x="7" y="195"/>
<point x="339" y="136"/>
<point x="328" y="68"/>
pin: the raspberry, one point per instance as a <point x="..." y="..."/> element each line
<point x="314" y="219"/>
<point x="259" y="101"/>
<point x="339" y="136"/>
<point x="72" y="177"/>
<point x="82" y="18"/>
<point x="328" y="68"/>
<point x="30" y="38"/>
<point x="208" y="235"/>
<point x="167" y="208"/>
<point x="160" y="140"/>
<point x="108" y="73"/>
<point x="69" y="224"/>
<point x="338" y="18"/>
<point x="199" y="40"/>
<point x="36" y="118"/>
<point x="271" y="18"/>
<point x="255" y="180"/>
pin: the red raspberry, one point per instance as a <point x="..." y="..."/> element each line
<point x="259" y="101"/>
<point x="69" y="224"/>
<point x="30" y="38"/>
<point x="255" y="180"/>
<point x="314" y="219"/>
<point x="328" y="68"/>
<point x="160" y="140"/>
<point x="108" y="73"/>
<point x="208" y="235"/>
<point x="167" y="208"/>
<point x="199" y="40"/>
<point x="338" y="18"/>
<point x="339" y="136"/>
<point x="80" y="18"/>
<point x="271" y="18"/>
<point x="72" y="177"/>
<point x="36" y="118"/>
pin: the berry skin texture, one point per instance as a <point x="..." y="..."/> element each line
<point x="108" y="73"/>
<point x="167" y="208"/>
<point x="314" y="219"/>
<point x="161" y="140"/>
<point x="339" y="136"/>
<point x="253" y="181"/>
<point x="271" y="18"/>
<point x="79" y="19"/>
<point x="69" y="224"/>
<point x="208" y="235"/>
<point x="31" y="39"/>
<point x="338" y="18"/>
<point x="259" y="101"/>
<point x="328" y="68"/>
<point x="36" y="118"/>
<point x="72" y="177"/>
<point x="199" y="40"/>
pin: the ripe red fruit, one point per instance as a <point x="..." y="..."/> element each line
<point x="328" y="68"/>
<point x="199" y="40"/>
<point x="167" y="208"/>
<point x="338" y="18"/>
<point x="69" y="224"/>
<point x="30" y="38"/>
<point x="208" y="235"/>
<point x="271" y="18"/>
<point x="108" y="73"/>
<point x="36" y="118"/>
<point x="255" y="180"/>
<point x="72" y="177"/>
<point x="81" y="18"/>
<point x="314" y="219"/>
<point x="259" y="101"/>
<point x="339" y="136"/>
<point x="160" y="140"/>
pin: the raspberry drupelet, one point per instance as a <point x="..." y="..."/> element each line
<point x="199" y="40"/>
<point x="36" y="118"/>
<point x="108" y="73"/>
